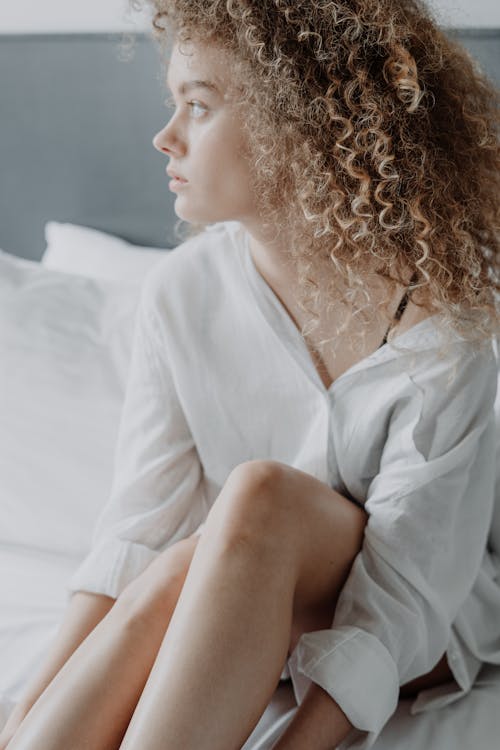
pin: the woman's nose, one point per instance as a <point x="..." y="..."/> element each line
<point x="166" y="141"/>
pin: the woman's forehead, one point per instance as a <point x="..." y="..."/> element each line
<point x="192" y="62"/>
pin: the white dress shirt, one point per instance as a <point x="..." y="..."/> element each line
<point x="221" y="375"/>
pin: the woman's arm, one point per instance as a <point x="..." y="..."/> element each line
<point x="429" y="510"/>
<point x="157" y="496"/>
<point x="84" y="612"/>
<point x="319" y="723"/>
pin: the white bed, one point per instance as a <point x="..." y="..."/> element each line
<point x="65" y="337"/>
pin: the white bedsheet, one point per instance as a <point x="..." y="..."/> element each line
<point x="61" y="477"/>
<point x="472" y="723"/>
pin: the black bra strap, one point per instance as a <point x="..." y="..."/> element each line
<point x="399" y="312"/>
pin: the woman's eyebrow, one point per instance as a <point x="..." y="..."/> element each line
<point x="197" y="84"/>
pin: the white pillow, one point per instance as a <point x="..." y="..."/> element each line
<point x="89" y="252"/>
<point x="65" y="345"/>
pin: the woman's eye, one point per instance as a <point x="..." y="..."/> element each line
<point x="197" y="109"/>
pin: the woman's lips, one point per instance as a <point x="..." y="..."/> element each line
<point x="176" y="182"/>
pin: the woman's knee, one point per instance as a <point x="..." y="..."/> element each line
<point x="250" y="506"/>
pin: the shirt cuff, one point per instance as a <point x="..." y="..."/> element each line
<point x="355" y="669"/>
<point x="110" y="566"/>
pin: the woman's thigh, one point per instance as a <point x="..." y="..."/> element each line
<point x="309" y="529"/>
<point x="154" y="592"/>
<point x="314" y="530"/>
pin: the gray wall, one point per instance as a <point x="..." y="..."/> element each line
<point x="77" y="121"/>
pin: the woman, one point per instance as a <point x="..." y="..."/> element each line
<point x="304" y="474"/>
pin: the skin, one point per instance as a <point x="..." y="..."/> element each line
<point x="141" y="676"/>
<point x="206" y="144"/>
<point x="202" y="143"/>
<point x="170" y="643"/>
<point x="167" y="649"/>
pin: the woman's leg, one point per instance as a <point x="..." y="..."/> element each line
<point x="276" y="549"/>
<point x="275" y="552"/>
<point x="90" y="701"/>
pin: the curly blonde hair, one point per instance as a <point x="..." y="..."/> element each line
<point x="382" y="133"/>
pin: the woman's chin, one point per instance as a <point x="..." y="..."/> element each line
<point x="197" y="217"/>
<point x="189" y="216"/>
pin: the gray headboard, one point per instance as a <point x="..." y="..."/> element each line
<point x="77" y="121"/>
<point x="78" y="118"/>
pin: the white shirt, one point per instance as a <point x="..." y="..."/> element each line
<point x="220" y="375"/>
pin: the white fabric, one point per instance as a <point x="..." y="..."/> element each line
<point x="65" y="344"/>
<point x="407" y="431"/>
<point x="64" y="352"/>
<point x="89" y="252"/>
<point x="32" y="603"/>
<point x="472" y="723"/>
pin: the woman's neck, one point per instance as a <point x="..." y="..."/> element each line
<point x="272" y="260"/>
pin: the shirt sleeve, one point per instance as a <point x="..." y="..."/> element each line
<point x="430" y="508"/>
<point x="157" y="495"/>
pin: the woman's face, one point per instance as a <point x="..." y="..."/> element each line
<point x="204" y="140"/>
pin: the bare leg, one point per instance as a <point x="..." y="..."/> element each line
<point x="221" y="659"/>
<point x="222" y="656"/>
<point x="90" y="701"/>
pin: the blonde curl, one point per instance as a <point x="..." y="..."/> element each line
<point x="383" y="135"/>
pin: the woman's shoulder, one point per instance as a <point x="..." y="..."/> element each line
<point x="199" y="267"/>
<point x="195" y="276"/>
<point x="433" y="369"/>
<point x="431" y="340"/>
<point x="451" y="372"/>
